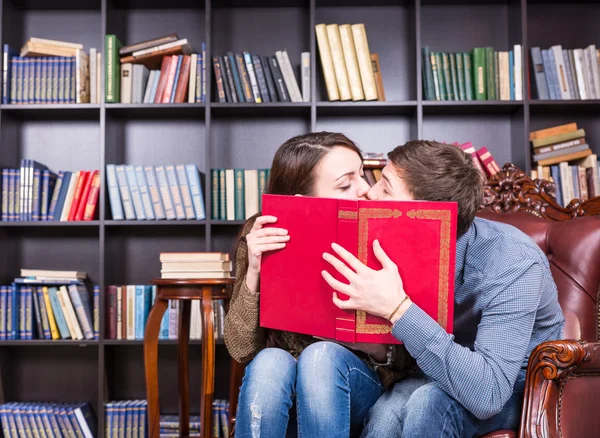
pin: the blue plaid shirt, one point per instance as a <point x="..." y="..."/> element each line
<point x="506" y="303"/>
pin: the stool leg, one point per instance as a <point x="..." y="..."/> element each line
<point x="151" y="365"/>
<point x="182" y="361"/>
<point x="208" y="363"/>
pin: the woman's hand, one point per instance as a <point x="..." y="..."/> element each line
<point x="260" y="240"/>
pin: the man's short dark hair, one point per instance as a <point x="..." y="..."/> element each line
<point x="435" y="171"/>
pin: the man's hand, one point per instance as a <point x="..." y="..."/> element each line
<point x="376" y="351"/>
<point x="375" y="292"/>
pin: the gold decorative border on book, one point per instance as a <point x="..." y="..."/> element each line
<point x="445" y="231"/>
<point x="364" y="215"/>
<point x="347" y="214"/>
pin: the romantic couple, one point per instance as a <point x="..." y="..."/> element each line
<point x="434" y="384"/>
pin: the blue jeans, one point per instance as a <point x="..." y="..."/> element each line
<point x="417" y="407"/>
<point x="333" y="389"/>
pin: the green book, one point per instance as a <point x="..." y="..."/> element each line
<point x="222" y="196"/>
<point x="468" y="71"/>
<point x="434" y="71"/>
<point x="460" y="73"/>
<point x="440" y="74"/>
<point x="240" y="207"/>
<point x="112" y="70"/>
<point x="479" y="76"/>
<point x="428" y="86"/>
<point x="454" y="75"/>
<point x="214" y="174"/>
<point x="262" y="185"/>
<point x="491" y="73"/>
<point x="447" y="76"/>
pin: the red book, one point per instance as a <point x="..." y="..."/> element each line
<point x="81" y="183"/>
<point x="470" y="149"/>
<point x="184" y="78"/>
<point x="84" y="196"/>
<point x="92" y="199"/>
<point x="166" y="97"/>
<point x="420" y="237"/>
<point x="489" y="163"/>
<point x="164" y="76"/>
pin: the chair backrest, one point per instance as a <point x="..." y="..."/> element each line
<point x="569" y="236"/>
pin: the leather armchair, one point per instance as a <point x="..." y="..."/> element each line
<point x="563" y="377"/>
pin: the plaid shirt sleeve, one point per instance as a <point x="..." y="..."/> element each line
<point x="481" y="379"/>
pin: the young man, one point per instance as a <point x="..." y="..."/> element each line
<point x="471" y="382"/>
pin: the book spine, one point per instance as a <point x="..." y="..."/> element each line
<point x="130" y="299"/>
<point x="39" y="329"/>
<point x="264" y="60"/>
<point x="125" y="191"/>
<point x="222" y="195"/>
<point x="90" y="201"/>
<point x="460" y="73"/>
<point x="144" y="192"/>
<point x="37" y="93"/>
<point x="281" y="87"/>
<point x="111" y="312"/>
<point x="252" y="77"/>
<point x="229" y="76"/>
<point x="114" y="192"/>
<point x="43" y="313"/>
<point x="135" y="192"/>
<point x="139" y="312"/>
<point x="236" y="77"/>
<point x="479" y="73"/>
<point x="184" y="187"/>
<point x="54" y="333"/>
<point x="82" y="313"/>
<point x="43" y="208"/>
<point x="3" y="305"/>
<point x="246" y="87"/>
<point x="175" y="192"/>
<point x="339" y="63"/>
<point x="165" y="192"/>
<point x="157" y="204"/>
<point x="239" y="194"/>
<point x="5" y="175"/>
<point x="260" y="77"/>
<point x="219" y="80"/>
<point x="262" y="186"/>
<point x="55" y="193"/>
<point x="214" y="173"/>
<point x="196" y="191"/>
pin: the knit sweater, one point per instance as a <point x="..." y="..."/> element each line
<point x="245" y="338"/>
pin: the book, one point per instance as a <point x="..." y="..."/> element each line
<point x="419" y="236"/>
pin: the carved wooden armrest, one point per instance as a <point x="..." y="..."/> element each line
<point x="550" y="365"/>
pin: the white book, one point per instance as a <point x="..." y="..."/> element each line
<point x="100" y="81"/>
<point x="149" y="85"/>
<point x="251" y="192"/>
<point x="192" y="84"/>
<point x="561" y="72"/>
<point x="119" y="312"/>
<point x="64" y="215"/>
<point x="584" y="91"/>
<point x="591" y="49"/>
<point x="230" y="194"/>
<point x="93" y="75"/>
<point x="288" y="76"/>
<point x="69" y="313"/>
<point x="55" y="43"/>
<point x="306" y="76"/>
<point x="126" y="82"/>
<point x="186" y="48"/>
<point x="518" y="75"/>
<point x="130" y="318"/>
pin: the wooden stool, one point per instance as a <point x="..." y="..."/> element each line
<point x="184" y="291"/>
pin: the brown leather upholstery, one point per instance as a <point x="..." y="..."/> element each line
<point x="563" y="377"/>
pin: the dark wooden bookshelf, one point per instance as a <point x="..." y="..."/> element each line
<point x="226" y="135"/>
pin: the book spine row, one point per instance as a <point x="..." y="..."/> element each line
<point x="155" y="192"/>
<point x="28" y="312"/>
<point x="482" y="74"/>
<point x="126" y="418"/>
<point x="237" y="193"/>
<point x="128" y="307"/>
<point x="52" y="420"/>
<point x="577" y="180"/>
<point x="34" y="193"/>
<point x="243" y="77"/>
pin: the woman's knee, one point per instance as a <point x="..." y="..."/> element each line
<point x="272" y="368"/>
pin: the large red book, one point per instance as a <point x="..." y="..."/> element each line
<point x="420" y="237"/>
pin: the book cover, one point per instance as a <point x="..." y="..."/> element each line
<point x="420" y="237"/>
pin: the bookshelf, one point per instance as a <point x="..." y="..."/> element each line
<point x="72" y="137"/>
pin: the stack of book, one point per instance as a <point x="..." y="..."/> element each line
<point x="35" y="193"/>
<point x="373" y="163"/>
<point x="49" y="71"/>
<point x="126" y="418"/>
<point x="251" y="78"/>
<point x="161" y="70"/>
<point x="560" y="74"/>
<point x="52" y="305"/>
<point x="237" y="193"/>
<point x="564" y="157"/>
<point x="47" y="419"/>
<point x="188" y="265"/>
<point x="155" y="192"/>
<point x="482" y="74"/>
<point x="559" y="143"/>
<point x="350" y="70"/>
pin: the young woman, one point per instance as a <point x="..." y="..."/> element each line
<point x="333" y="385"/>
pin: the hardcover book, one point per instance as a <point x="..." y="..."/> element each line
<point x="420" y="237"/>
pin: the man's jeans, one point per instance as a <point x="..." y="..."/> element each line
<point x="417" y="408"/>
<point x="333" y="390"/>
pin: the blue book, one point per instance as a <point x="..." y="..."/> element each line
<point x="165" y="192"/>
<point x="549" y="69"/>
<point x="48" y="183"/>
<point x="236" y="77"/>
<point x="144" y="192"/>
<point x="154" y="191"/>
<point x="96" y="312"/>
<point x="176" y="80"/>
<point x="86" y="419"/>
<point x="25" y="80"/>
<point x="58" y="314"/>
<point x="29" y="312"/>
<point x="108" y="424"/>
<point x="555" y="172"/>
<point x="196" y="191"/>
<point x="3" y="296"/>
<point x="139" y="312"/>
<point x="37" y="195"/>
<point x="125" y="192"/>
<point x="73" y="421"/>
<point x="15" y="292"/>
<point x="143" y="419"/>
<point x="555" y="78"/>
<point x="198" y="97"/>
<point x="184" y="187"/>
<point x="9" y="312"/>
<point x="5" y="174"/>
<point x="43" y="80"/>
<point x="164" y="324"/>
<point x="14" y="72"/>
<point x="62" y="195"/>
<point x="31" y="81"/>
<point x="204" y="66"/>
<point x="511" y="72"/>
<point x="4" y="411"/>
<point x="55" y="192"/>
<point x="81" y="304"/>
<point x="7" y="73"/>
<point x="113" y="193"/>
<point x="175" y="191"/>
<point x="136" y="197"/>
<point x="37" y="77"/>
<point x="43" y="312"/>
